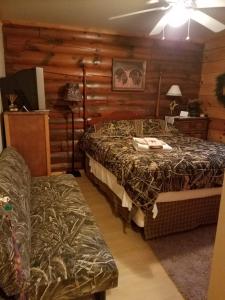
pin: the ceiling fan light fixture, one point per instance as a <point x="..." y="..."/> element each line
<point x="179" y="12"/>
<point x="178" y="15"/>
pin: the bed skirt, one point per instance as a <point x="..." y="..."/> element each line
<point x="175" y="216"/>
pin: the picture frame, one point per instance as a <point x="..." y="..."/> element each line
<point x="128" y="74"/>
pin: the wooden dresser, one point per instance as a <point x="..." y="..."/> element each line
<point x="193" y="126"/>
<point x="28" y="133"/>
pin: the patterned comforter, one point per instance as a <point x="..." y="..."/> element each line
<point x="191" y="164"/>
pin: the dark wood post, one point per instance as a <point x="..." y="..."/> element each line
<point x="100" y="296"/>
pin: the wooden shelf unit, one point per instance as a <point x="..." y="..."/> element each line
<point x="28" y="133"/>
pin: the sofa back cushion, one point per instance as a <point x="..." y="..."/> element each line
<point x="15" y="225"/>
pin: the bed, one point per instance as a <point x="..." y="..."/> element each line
<point x="161" y="191"/>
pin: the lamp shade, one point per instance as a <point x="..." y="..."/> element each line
<point x="72" y="92"/>
<point x="174" y="91"/>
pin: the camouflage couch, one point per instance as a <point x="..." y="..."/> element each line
<point x="50" y="245"/>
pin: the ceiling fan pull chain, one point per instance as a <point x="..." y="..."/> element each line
<point x="188" y="34"/>
<point x="163" y="37"/>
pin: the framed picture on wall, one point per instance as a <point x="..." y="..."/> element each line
<point x="128" y="74"/>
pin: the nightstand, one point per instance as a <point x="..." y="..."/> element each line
<point x="192" y="126"/>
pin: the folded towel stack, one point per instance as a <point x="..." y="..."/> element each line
<point x="149" y="143"/>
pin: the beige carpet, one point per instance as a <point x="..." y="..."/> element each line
<point x="187" y="259"/>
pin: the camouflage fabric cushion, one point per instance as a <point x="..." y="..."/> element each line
<point x="140" y="127"/>
<point x="69" y="257"/>
<point x="155" y="127"/>
<point x="14" y="183"/>
<point x="116" y="128"/>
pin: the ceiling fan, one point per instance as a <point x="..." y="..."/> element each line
<point x="178" y="12"/>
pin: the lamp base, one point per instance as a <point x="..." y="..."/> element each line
<point x="75" y="173"/>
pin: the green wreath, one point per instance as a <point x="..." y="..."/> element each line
<point x="220" y="88"/>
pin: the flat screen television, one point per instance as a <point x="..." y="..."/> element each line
<point x="28" y="86"/>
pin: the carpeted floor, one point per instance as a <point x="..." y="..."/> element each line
<point x="187" y="259"/>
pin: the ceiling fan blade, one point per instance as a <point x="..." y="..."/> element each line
<point x="157" y="1"/>
<point x="152" y="1"/>
<point x="140" y="12"/>
<point x="160" y="25"/>
<point x="207" y="21"/>
<point x="209" y="3"/>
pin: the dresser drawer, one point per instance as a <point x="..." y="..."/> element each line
<point x="196" y="127"/>
<point x="191" y="125"/>
<point x="200" y="135"/>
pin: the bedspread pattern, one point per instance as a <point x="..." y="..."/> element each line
<point x="191" y="164"/>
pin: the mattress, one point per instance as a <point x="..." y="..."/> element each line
<point x="110" y="180"/>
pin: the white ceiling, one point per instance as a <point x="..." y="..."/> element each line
<point x="94" y="14"/>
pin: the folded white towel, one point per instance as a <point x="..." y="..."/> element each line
<point x="167" y="147"/>
<point x="138" y="146"/>
<point x="149" y="143"/>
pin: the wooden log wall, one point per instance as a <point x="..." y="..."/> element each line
<point x="60" y="51"/>
<point x="213" y="65"/>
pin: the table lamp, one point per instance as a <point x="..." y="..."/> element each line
<point x="174" y="91"/>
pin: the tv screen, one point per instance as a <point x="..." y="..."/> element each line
<point x="27" y="85"/>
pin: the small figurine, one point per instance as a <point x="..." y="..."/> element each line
<point x="12" y="99"/>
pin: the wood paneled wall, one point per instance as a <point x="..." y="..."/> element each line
<point x="2" y="74"/>
<point x="60" y="51"/>
<point x="213" y="65"/>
